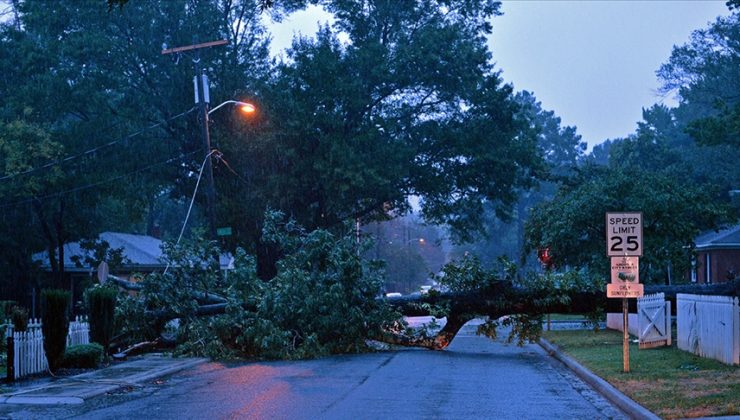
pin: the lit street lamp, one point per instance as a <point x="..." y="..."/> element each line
<point x="244" y="107"/>
<point x="202" y="100"/>
<point x="408" y="243"/>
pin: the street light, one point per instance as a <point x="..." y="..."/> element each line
<point x="245" y="107"/>
<point x="420" y="241"/>
<point x="408" y="243"/>
<point x="202" y="99"/>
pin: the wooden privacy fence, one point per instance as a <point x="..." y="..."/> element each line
<point x="709" y="326"/>
<point x="654" y="321"/>
<point x="26" y="349"/>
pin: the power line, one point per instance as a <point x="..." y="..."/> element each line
<point x="95" y="184"/>
<point x="220" y="158"/>
<point x="95" y="149"/>
<point x="192" y="200"/>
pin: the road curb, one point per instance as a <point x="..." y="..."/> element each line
<point x="143" y="377"/>
<point x="153" y="374"/>
<point x="625" y="403"/>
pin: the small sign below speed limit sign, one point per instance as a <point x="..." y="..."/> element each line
<point x="624" y="234"/>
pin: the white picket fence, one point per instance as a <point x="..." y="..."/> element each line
<point x="28" y="346"/>
<point x="654" y="321"/>
<point x="28" y="356"/>
<point x="709" y="326"/>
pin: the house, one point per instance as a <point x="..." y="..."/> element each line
<point x="141" y="254"/>
<point x="717" y="256"/>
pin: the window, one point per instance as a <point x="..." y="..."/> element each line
<point x="707" y="262"/>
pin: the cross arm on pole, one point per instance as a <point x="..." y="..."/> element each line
<point x="195" y="46"/>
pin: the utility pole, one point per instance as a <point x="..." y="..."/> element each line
<point x="203" y="99"/>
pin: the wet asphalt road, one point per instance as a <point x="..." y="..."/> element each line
<point x="475" y="378"/>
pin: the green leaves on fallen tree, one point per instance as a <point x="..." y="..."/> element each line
<point x="322" y="301"/>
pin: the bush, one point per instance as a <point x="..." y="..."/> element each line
<point x="55" y="324"/>
<point x="83" y="356"/>
<point x="101" y="305"/>
<point x="19" y="318"/>
<point x="5" y="308"/>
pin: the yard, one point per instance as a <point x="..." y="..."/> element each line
<point x="669" y="382"/>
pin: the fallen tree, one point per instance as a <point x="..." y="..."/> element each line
<point x="498" y="299"/>
<point x="326" y="299"/>
<point x="504" y="299"/>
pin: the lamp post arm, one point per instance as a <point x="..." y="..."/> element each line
<point x="226" y="103"/>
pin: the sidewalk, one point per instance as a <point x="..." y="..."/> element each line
<point x="76" y="389"/>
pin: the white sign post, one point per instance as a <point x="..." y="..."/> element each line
<point x="624" y="245"/>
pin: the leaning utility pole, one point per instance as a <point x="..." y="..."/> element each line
<point x="202" y="99"/>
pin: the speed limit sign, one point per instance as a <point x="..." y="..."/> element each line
<point x="624" y="234"/>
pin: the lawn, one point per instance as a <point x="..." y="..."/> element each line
<point x="667" y="381"/>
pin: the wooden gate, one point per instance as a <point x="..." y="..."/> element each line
<point x="654" y="321"/>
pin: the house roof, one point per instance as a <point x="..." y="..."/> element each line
<point x="728" y="238"/>
<point x="141" y="251"/>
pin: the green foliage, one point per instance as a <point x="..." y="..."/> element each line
<point x="723" y="128"/>
<point x="705" y="72"/>
<point x="19" y="317"/>
<point x="95" y="251"/>
<point x="674" y="212"/>
<point x="131" y="322"/>
<point x="411" y="105"/>
<point x="101" y="304"/>
<point x="192" y="267"/>
<point x="322" y="301"/>
<point x="55" y="324"/>
<point x="83" y="356"/>
<point x="467" y="273"/>
<point x="664" y="170"/>
<point x="6" y="308"/>
<point x="536" y="292"/>
<point x="543" y="290"/>
<point x="72" y="72"/>
<point x="562" y="150"/>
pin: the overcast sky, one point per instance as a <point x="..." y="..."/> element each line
<point x="592" y="62"/>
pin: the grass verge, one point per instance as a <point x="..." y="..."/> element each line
<point x="667" y="381"/>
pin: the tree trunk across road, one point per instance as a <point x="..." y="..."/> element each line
<point x="499" y="299"/>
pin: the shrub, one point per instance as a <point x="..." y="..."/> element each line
<point x="83" y="356"/>
<point x="19" y="317"/>
<point x="55" y="324"/>
<point x="101" y="305"/>
<point x="5" y="308"/>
